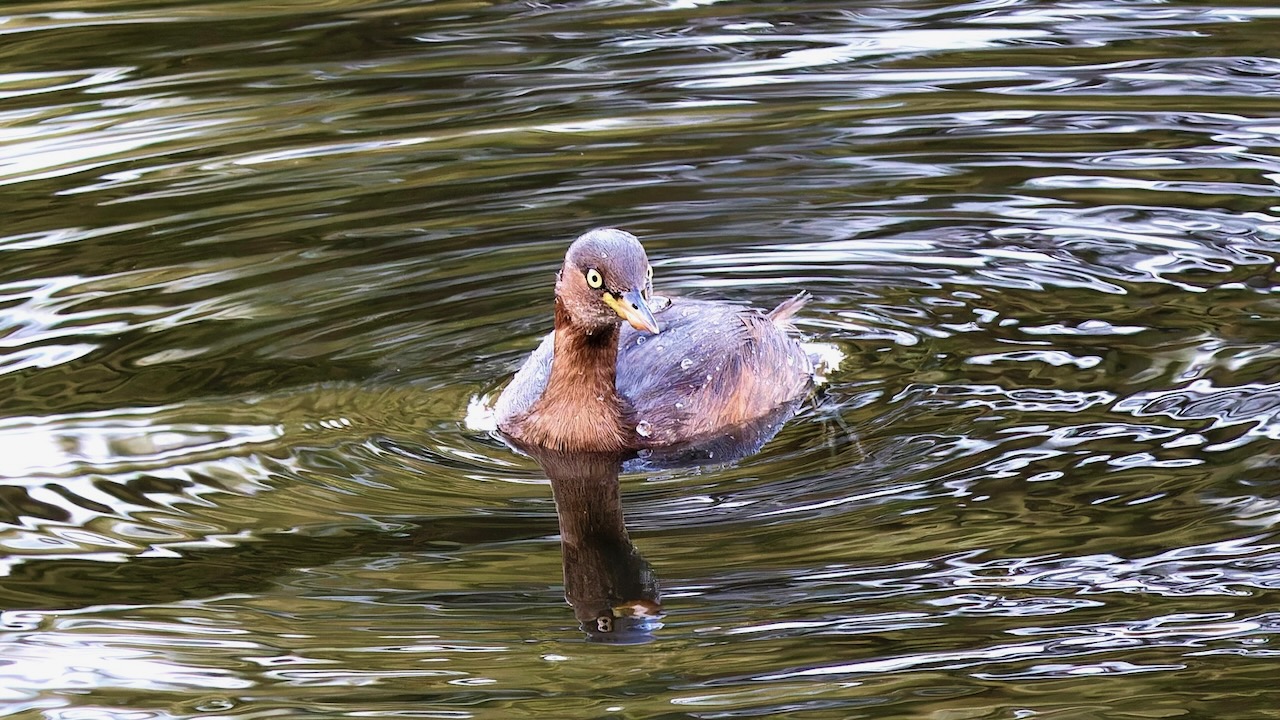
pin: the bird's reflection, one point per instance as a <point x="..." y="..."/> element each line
<point x="612" y="588"/>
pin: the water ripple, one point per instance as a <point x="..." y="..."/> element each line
<point x="254" y="277"/>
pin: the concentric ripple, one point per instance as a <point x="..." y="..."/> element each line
<point x="261" y="259"/>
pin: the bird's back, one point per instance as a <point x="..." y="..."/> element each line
<point x="713" y="367"/>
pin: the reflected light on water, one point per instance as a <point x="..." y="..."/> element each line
<point x="264" y="265"/>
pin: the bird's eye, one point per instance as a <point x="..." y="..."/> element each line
<point x="650" y="273"/>
<point x="594" y="279"/>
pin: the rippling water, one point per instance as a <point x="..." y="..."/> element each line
<point x="260" y="259"/>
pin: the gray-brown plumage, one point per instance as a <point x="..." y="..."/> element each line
<point x="681" y="372"/>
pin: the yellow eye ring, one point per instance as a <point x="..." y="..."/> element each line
<point x="594" y="279"/>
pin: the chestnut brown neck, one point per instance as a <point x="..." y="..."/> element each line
<point x="579" y="410"/>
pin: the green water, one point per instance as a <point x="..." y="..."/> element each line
<point x="264" y="265"/>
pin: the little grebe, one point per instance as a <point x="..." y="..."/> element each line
<point x="684" y="371"/>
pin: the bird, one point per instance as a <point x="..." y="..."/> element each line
<point x="625" y="370"/>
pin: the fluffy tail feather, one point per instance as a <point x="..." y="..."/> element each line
<point x="781" y="315"/>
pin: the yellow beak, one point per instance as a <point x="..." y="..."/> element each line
<point x="633" y="308"/>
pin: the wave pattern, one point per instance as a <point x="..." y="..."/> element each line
<point x="261" y="260"/>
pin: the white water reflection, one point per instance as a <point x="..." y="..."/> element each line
<point x="69" y="447"/>
<point x="252" y="279"/>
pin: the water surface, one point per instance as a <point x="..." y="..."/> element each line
<point x="259" y="260"/>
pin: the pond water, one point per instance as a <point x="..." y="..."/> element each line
<point x="260" y="262"/>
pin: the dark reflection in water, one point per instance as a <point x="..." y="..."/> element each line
<point x="612" y="588"/>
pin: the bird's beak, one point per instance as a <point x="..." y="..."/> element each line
<point x="633" y="308"/>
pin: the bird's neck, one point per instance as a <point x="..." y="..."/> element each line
<point x="580" y="410"/>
